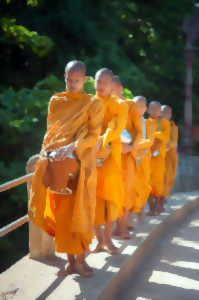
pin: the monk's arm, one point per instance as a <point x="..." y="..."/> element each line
<point x="95" y="120"/>
<point x="116" y="125"/>
<point x="137" y="124"/>
<point x="174" y="138"/>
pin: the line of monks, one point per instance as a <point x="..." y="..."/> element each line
<point x="118" y="173"/>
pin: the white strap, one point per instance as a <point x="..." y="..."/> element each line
<point x="144" y="127"/>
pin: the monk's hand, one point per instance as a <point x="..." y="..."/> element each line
<point x="156" y="145"/>
<point x="126" y="148"/>
<point x="142" y="153"/>
<point x="99" y="144"/>
<point x="62" y="152"/>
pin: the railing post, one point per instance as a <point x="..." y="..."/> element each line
<point x="40" y="243"/>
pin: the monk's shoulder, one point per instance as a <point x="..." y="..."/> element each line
<point x="96" y="104"/>
<point x="55" y="100"/>
<point x="165" y="123"/>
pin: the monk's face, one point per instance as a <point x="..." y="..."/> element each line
<point x="166" y="114"/>
<point x="103" y="85"/>
<point x="117" y="89"/>
<point x="155" y="111"/>
<point x="75" y="81"/>
<point x="142" y="108"/>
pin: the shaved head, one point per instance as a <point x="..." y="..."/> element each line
<point x="166" y="108"/>
<point x="154" y="109"/>
<point x="139" y="99"/>
<point x="104" y="72"/>
<point x="166" y="112"/>
<point x="75" y="65"/>
<point x="117" y="80"/>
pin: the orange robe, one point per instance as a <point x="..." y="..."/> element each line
<point x="110" y="190"/>
<point x="71" y="118"/>
<point x="134" y="127"/>
<point x="171" y="160"/>
<point x="158" y="162"/>
<point x="143" y="164"/>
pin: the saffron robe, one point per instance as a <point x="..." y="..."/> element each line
<point x="71" y="118"/>
<point x="110" y="189"/>
<point x="171" y="160"/>
<point x="158" y="162"/>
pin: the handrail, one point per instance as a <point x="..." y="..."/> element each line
<point x="14" y="225"/>
<point x="7" y="186"/>
<point x="12" y="183"/>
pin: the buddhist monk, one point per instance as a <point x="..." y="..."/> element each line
<point x="158" y="152"/>
<point x="143" y="161"/>
<point x="110" y="189"/>
<point x="74" y="123"/>
<point x="171" y="154"/>
<point x="134" y="129"/>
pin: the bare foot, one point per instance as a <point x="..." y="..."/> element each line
<point x="99" y="248"/>
<point x="116" y="232"/>
<point x="82" y="270"/>
<point x="111" y="248"/>
<point x="65" y="272"/>
<point x="87" y="266"/>
<point x="125" y="235"/>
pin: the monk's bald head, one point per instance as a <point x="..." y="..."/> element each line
<point x="75" y="66"/>
<point x="166" y="112"/>
<point x="141" y="104"/>
<point x="103" y="82"/>
<point x="104" y="72"/>
<point x="75" y="76"/>
<point x="154" y="109"/>
<point x="117" y="87"/>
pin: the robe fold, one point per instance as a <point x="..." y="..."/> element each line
<point x="158" y="162"/>
<point x="70" y="218"/>
<point x="143" y="164"/>
<point x="171" y="160"/>
<point x="134" y="127"/>
<point x="110" y="190"/>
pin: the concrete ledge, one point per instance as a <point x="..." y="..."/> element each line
<point x="131" y="266"/>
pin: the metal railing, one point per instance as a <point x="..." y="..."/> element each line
<point x="21" y="221"/>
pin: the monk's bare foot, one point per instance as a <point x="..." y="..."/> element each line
<point x="99" y="248"/>
<point x="125" y="235"/>
<point x="111" y="248"/>
<point x="87" y="266"/>
<point x="116" y="232"/>
<point x="65" y="272"/>
<point x="82" y="270"/>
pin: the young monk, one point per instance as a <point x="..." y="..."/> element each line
<point x="134" y="128"/>
<point x="143" y="161"/>
<point x="171" y="154"/>
<point x="158" y="152"/>
<point x="74" y="118"/>
<point x="110" y="184"/>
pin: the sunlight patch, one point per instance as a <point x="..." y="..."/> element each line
<point x="183" y="264"/>
<point x="129" y="250"/>
<point x="181" y="242"/>
<point x="174" y="280"/>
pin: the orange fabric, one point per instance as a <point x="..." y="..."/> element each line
<point x="71" y="118"/>
<point x="143" y="168"/>
<point x="158" y="162"/>
<point x="171" y="160"/>
<point x="110" y="184"/>
<point x="134" y="127"/>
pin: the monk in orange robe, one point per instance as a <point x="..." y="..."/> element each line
<point x="143" y="158"/>
<point x="74" y="118"/>
<point x="110" y="190"/>
<point x="134" y="129"/>
<point x="158" y="152"/>
<point x="171" y="154"/>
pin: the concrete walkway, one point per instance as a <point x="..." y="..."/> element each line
<point x="30" y="279"/>
<point x="172" y="271"/>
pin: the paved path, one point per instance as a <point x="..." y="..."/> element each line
<point x="172" y="271"/>
<point x="36" y="280"/>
